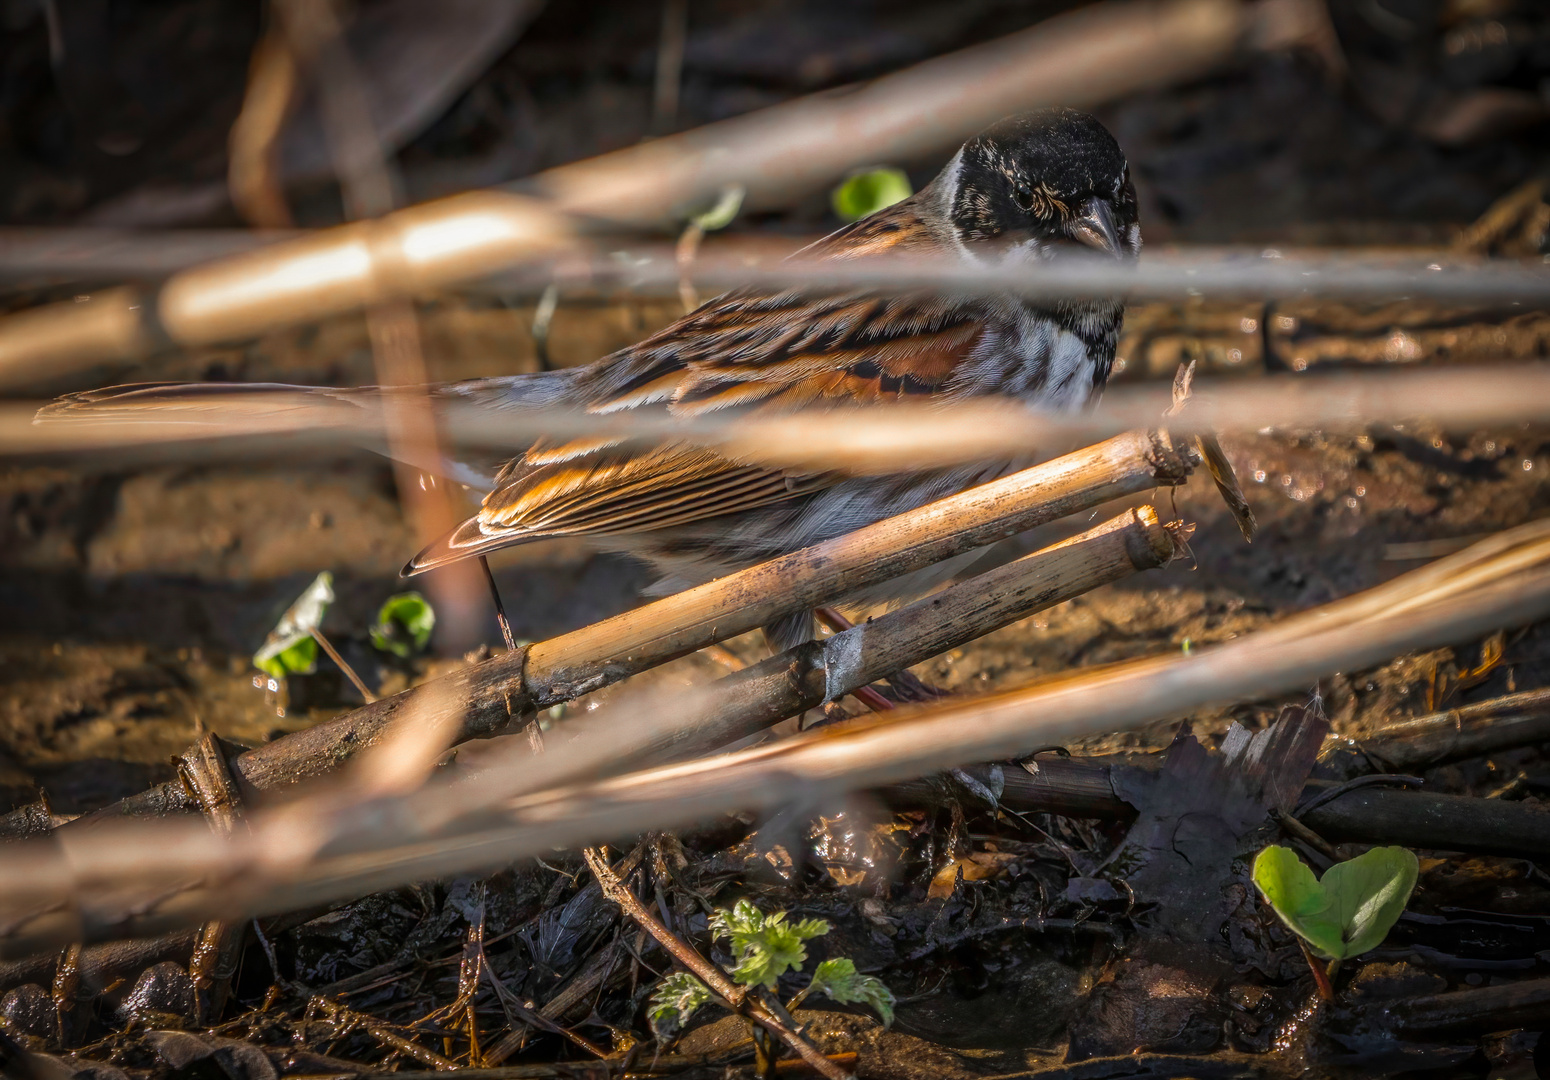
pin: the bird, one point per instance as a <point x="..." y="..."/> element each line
<point x="1033" y="188"/>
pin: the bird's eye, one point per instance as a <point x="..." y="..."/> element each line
<point x="1024" y="197"/>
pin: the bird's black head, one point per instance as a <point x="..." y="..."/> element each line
<point x="1035" y="183"/>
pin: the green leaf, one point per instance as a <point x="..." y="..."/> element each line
<point x="290" y="649"/>
<point x="868" y="191"/>
<point x="843" y="983"/>
<point x="300" y="659"/>
<point x="675" y="1000"/>
<point x="1351" y="910"/>
<point x="404" y="624"/>
<point x="720" y="216"/>
<point x="764" y="947"/>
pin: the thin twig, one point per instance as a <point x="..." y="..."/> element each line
<point x="736" y="997"/>
<point x="339" y="661"/>
<point x="344" y="1016"/>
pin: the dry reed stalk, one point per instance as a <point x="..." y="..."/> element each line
<point x="775" y="154"/>
<point x="868" y="440"/>
<point x="148" y="878"/>
<point x="549" y="672"/>
<point x="590" y="267"/>
<point x="637" y="731"/>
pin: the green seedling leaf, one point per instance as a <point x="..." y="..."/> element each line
<point x="868" y="191"/>
<point x="404" y="624"/>
<point x="675" y="1000"/>
<point x="764" y="946"/>
<point x="1348" y="912"/>
<point x="290" y="649"/>
<point x="840" y="980"/>
<point x="722" y="214"/>
<point x="300" y="659"/>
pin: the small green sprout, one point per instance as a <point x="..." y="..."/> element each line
<point x="290" y="648"/>
<point x="765" y="947"/>
<point x="1350" y="910"/>
<point x="868" y="191"/>
<point x="404" y="624"/>
<point x="719" y="216"/>
<point x="675" y="999"/>
<point x="840" y="981"/>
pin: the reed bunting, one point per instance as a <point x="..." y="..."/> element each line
<point x="1027" y="190"/>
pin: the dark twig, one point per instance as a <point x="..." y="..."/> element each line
<point x="1296" y="829"/>
<point x="342" y="1016"/>
<point x="1313" y="802"/>
<point x="736" y="997"/>
<point x="218" y="948"/>
<point x="500" y="608"/>
<point x="333" y="654"/>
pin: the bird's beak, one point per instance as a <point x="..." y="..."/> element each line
<point x="1095" y="228"/>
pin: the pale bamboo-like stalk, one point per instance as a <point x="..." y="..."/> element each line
<point x="882" y="439"/>
<point x="106" y="882"/>
<point x="776" y="154"/>
<point x="565" y="667"/>
<point x="589" y="267"/>
<point x="645" y="729"/>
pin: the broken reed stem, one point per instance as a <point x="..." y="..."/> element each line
<point x="816" y="672"/>
<point x="549" y="672"/>
<point x="87" y="885"/>
<point x="213" y="962"/>
<point x="736" y="997"/>
<point x="1467" y="731"/>
<point x="867" y="753"/>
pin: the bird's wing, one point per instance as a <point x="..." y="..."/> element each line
<point x="743" y="351"/>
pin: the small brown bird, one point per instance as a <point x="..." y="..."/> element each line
<point x="1026" y="190"/>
